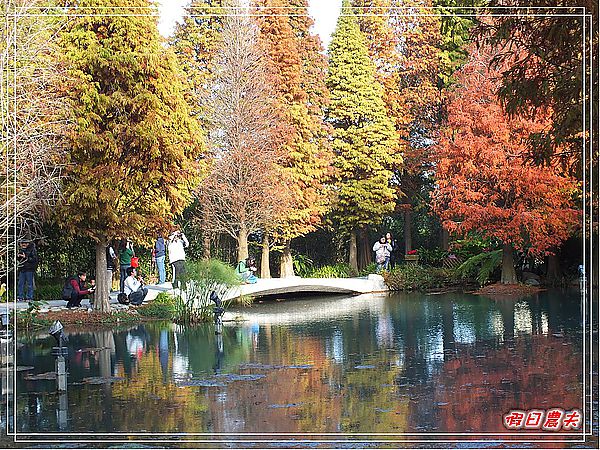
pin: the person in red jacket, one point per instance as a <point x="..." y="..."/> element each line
<point x="76" y="289"/>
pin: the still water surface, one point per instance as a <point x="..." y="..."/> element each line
<point x="398" y="363"/>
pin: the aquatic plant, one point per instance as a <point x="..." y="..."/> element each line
<point x="193" y="303"/>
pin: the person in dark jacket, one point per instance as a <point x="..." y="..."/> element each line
<point x="28" y="260"/>
<point x="76" y="289"/>
<point x="125" y="254"/>
<point x="394" y="252"/>
<point x="159" y="254"/>
<point x="110" y="263"/>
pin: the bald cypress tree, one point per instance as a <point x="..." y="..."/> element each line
<point x="299" y="69"/>
<point x="195" y="42"/>
<point x="364" y="139"/>
<point x="133" y="145"/>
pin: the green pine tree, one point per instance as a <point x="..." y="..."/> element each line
<point x="364" y="139"/>
<point x="195" y="42"/>
<point x="133" y="145"/>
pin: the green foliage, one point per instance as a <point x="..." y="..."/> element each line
<point x="434" y="257"/>
<point x="195" y="41"/>
<point x="48" y="291"/>
<point x="134" y="145"/>
<point x="371" y="268"/>
<point x="456" y="26"/>
<point x="203" y="277"/>
<point x="162" y="307"/>
<point x="471" y="246"/>
<point x="28" y="318"/>
<point x="339" y="270"/>
<point x="482" y="264"/>
<point x="414" y="277"/>
<point x="364" y="140"/>
<point x="303" y="265"/>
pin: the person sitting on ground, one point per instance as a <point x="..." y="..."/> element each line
<point x="246" y="270"/>
<point x="134" y="288"/>
<point x="76" y="289"/>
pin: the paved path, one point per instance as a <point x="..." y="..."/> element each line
<point x="270" y="286"/>
<point x="153" y="291"/>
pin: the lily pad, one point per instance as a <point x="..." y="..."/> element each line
<point x="101" y="380"/>
<point x="230" y="377"/>
<point x="200" y="383"/>
<point x="41" y="376"/>
<point x="289" y="405"/>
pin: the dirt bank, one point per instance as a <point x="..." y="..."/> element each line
<point x="510" y="291"/>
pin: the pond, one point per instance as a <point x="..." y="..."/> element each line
<point x="403" y="363"/>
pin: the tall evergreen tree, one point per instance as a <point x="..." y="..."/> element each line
<point x="134" y="147"/>
<point x="195" y="41"/>
<point x="294" y="54"/>
<point x="364" y="139"/>
<point x="404" y="39"/>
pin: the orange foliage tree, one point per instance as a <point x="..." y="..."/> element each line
<point x="485" y="185"/>
<point x="299" y="70"/>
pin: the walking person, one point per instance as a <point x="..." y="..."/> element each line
<point x="382" y="251"/>
<point x="27" y="259"/>
<point x="176" y="248"/>
<point x="125" y="254"/>
<point x="160" y="254"/>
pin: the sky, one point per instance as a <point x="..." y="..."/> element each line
<point x="324" y="12"/>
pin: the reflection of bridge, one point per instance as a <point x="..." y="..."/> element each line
<point x="305" y="310"/>
<point x="297" y="285"/>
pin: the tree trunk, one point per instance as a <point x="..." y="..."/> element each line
<point x="103" y="281"/>
<point x="242" y="244"/>
<point x="509" y="275"/>
<point x="445" y="239"/>
<point x="287" y="263"/>
<point x="553" y="270"/>
<point x="407" y="231"/>
<point x="265" y="261"/>
<point x="353" y="261"/>
<point x="364" y="254"/>
<point x="206" y="245"/>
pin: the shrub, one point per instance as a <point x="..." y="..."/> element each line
<point x="303" y="265"/>
<point x="482" y="264"/>
<point x="163" y="307"/>
<point x="48" y="291"/>
<point x="371" y="268"/>
<point x="203" y="277"/>
<point x="434" y="257"/>
<point x="413" y="277"/>
<point x="28" y="318"/>
<point x="339" y="270"/>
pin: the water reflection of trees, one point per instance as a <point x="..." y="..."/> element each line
<point x="480" y="384"/>
<point x="411" y="364"/>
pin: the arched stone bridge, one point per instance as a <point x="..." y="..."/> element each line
<point x="298" y="285"/>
